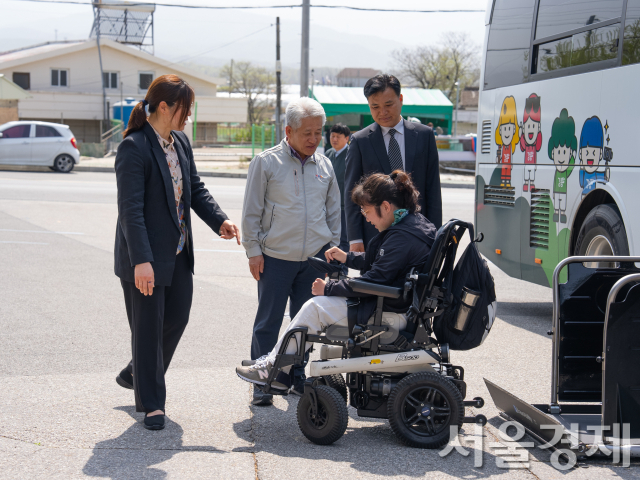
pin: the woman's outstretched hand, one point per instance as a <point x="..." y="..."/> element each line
<point x="144" y="278"/>
<point x="334" y="253"/>
<point x="228" y="230"/>
<point x="318" y="287"/>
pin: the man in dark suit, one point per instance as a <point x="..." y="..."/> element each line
<point x="339" y="139"/>
<point x="391" y="143"/>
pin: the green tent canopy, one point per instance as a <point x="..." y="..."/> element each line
<point x="422" y="103"/>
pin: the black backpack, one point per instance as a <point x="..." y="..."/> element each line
<point x="471" y="298"/>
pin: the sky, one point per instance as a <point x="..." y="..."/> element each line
<point x="339" y="38"/>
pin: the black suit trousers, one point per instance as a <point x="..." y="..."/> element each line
<point x="157" y="322"/>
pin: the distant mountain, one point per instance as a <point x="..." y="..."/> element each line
<point x="212" y="38"/>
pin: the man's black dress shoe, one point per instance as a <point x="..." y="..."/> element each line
<point x="125" y="379"/>
<point x="260" y="398"/>
<point x="155" y="422"/>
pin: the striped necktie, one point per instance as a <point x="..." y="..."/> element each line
<point x="395" y="157"/>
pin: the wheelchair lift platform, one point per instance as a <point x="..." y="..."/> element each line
<point x="595" y="377"/>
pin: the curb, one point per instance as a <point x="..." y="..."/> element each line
<point x="457" y="185"/>
<point x="80" y="168"/>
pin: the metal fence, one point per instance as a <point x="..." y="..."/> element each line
<point x="258" y="136"/>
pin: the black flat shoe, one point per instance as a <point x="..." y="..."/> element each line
<point x="155" y="422"/>
<point x="125" y="379"/>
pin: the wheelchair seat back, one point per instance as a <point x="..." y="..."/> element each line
<point x="582" y="303"/>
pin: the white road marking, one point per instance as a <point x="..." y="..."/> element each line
<point x="40" y="231"/>
<point x="24" y="243"/>
<point x="223" y="251"/>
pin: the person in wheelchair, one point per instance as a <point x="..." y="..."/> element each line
<point x="390" y="204"/>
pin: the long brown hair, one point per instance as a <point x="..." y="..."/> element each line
<point x="166" y="88"/>
<point x="396" y="188"/>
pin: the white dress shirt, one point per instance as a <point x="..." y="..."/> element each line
<point x="399" y="136"/>
<point x="338" y="152"/>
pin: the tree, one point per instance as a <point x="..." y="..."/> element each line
<point x="254" y="83"/>
<point x="455" y="59"/>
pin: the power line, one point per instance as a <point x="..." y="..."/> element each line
<point x="259" y="7"/>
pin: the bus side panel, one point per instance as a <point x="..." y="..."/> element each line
<point x="501" y="244"/>
<point x="620" y="108"/>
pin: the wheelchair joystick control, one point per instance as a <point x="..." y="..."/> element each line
<point x="351" y="344"/>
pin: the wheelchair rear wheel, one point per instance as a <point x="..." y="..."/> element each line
<point x="336" y="381"/>
<point x="329" y="423"/>
<point x="422" y="407"/>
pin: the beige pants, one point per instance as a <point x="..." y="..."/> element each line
<point x="320" y="313"/>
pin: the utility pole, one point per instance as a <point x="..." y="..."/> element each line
<point x="455" y="125"/>
<point x="122" y="106"/>
<point x="304" y="61"/>
<point x="104" y="91"/>
<point x="278" y="83"/>
<point x="231" y="77"/>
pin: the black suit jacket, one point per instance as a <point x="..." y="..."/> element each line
<point x="148" y="228"/>
<point x="368" y="154"/>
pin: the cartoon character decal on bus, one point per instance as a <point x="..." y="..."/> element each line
<point x="531" y="139"/>
<point x="563" y="147"/>
<point x="592" y="152"/>
<point x="507" y="136"/>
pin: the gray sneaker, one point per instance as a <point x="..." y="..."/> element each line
<point x="258" y="375"/>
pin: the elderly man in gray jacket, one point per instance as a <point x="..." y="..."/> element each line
<point x="291" y="211"/>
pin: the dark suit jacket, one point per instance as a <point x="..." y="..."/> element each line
<point x="367" y="154"/>
<point x="338" y="162"/>
<point x="148" y="228"/>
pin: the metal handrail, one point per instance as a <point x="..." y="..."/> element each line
<point x="556" y="311"/>
<point x="110" y="133"/>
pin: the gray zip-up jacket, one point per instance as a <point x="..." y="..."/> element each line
<point x="290" y="211"/>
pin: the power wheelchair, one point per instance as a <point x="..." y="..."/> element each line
<point x="403" y="376"/>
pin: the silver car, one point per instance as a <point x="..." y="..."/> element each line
<point x="38" y="143"/>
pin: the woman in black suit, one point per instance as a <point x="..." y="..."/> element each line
<point x="158" y="185"/>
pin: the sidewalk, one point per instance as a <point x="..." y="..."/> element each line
<point x="219" y="162"/>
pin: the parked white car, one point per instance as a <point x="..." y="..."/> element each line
<point x="38" y="143"/>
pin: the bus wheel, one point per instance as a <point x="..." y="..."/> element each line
<point x="602" y="233"/>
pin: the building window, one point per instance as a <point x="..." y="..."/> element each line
<point x="145" y="80"/>
<point x="59" y="78"/>
<point x="110" y="79"/>
<point x="23" y="80"/>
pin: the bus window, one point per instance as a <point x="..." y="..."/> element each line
<point x="558" y="16"/>
<point x="507" y="58"/>
<point x="581" y="48"/>
<point x="631" y="42"/>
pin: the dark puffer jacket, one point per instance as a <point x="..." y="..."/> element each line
<point x="389" y="257"/>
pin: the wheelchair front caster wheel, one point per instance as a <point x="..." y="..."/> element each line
<point x="481" y="420"/>
<point x="479" y="402"/>
<point x="322" y="419"/>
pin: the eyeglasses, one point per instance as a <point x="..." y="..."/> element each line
<point x="363" y="212"/>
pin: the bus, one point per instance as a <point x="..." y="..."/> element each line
<point x="556" y="166"/>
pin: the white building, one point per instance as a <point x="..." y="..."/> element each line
<point x="65" y="85"/>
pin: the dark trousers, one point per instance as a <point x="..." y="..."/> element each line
<point x="282" y="280"/>
<point x="157" y="322"/>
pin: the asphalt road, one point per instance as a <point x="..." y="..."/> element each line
<point x="64" y="337"/>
